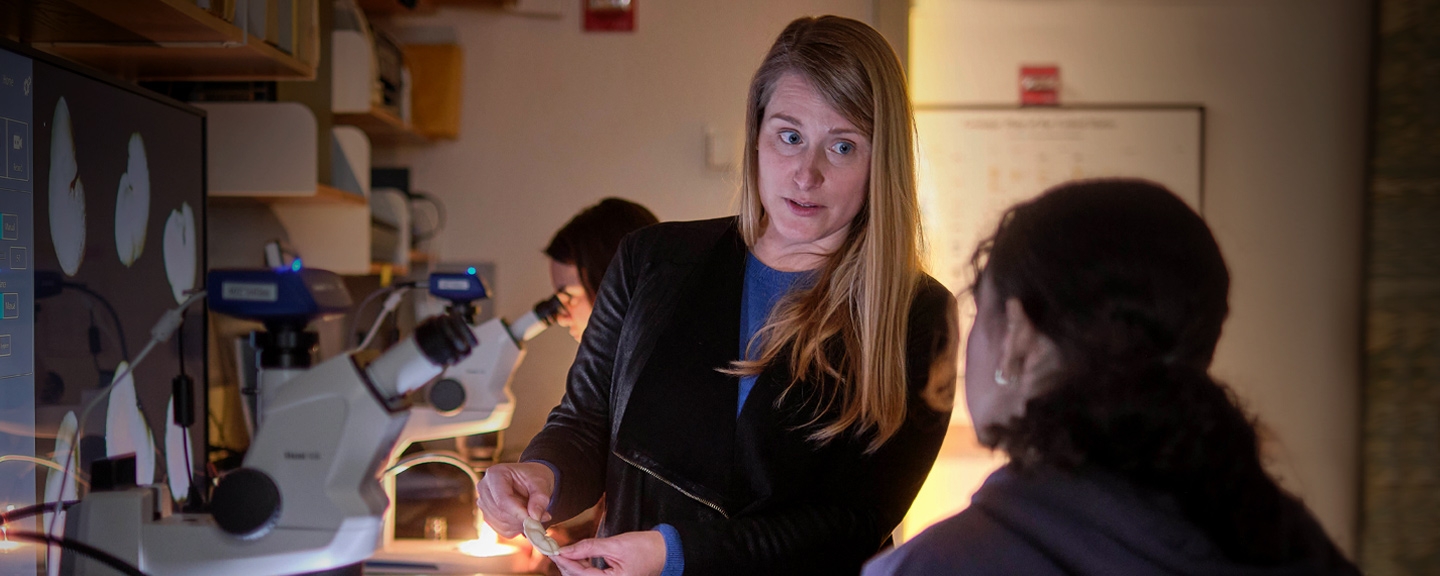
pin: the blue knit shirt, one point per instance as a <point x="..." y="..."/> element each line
<point x="764" y="287"/>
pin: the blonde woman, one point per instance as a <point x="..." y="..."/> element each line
<point x="765" y="393"/>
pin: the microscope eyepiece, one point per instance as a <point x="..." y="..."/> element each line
<point x="546" y="310"/>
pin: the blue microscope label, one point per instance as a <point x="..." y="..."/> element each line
<point x="453" y="284"/>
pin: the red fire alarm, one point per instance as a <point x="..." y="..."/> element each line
<point x="609" y="15"/>
<point x="1039" y="85"/>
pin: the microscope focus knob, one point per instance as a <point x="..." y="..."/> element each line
<point x="446" y="396"/>
<point x="246" y="503"/>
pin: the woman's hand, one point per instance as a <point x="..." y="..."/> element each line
<point x="508" y="493"/>
<point x="628" y="554"/>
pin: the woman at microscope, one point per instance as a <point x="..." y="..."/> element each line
<point x="762" y="393"/>
<point x="581" y="251"/>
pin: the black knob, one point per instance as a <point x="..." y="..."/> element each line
<point x="246" y="503"/>
<point x="445" y="339"/>
<point x="446" y="396"/>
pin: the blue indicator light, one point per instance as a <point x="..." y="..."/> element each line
<point x="470" y="270"/>
<point x="295" y="265"/>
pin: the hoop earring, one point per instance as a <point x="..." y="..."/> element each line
<point x="1000" y="379"/>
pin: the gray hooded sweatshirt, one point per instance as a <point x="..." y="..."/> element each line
<point x="1044" y="521"/>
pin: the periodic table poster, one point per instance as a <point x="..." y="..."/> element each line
<point x="976" y="162"/>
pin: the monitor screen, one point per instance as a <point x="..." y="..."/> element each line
<point x="105" y="186"/>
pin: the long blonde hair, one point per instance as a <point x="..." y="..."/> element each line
<point x="850" y="327"/>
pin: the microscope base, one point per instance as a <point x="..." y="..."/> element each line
<point x="443" y="557"/>
<point x="356" y="569"/>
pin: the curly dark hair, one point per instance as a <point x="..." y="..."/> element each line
<point x="1129" y="284"/>
<point x="589" y="240"/>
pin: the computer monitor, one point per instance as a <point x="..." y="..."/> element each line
<point x="102" y="229"/>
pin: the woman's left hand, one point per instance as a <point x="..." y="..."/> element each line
<point x="628" y="554"/>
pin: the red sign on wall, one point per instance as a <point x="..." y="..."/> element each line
<point x="1039" y="85"/>
<point x="609" y="15"/>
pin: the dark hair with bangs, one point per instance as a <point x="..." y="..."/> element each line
<point x="589" y="240"/>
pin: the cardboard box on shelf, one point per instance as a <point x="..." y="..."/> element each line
<point x="437" y="79"/>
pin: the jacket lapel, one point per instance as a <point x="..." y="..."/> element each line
<point x="679" y="421"/>
<point x="773" y="458"/>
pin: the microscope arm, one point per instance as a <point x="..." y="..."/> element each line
<point x="484" y="375"/>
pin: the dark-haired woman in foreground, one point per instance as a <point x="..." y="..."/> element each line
<point x="1099" y="307"/>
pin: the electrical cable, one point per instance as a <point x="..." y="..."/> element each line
<point x="360" y="310"/>
<point x="119" y="329"/>
<point x="40" y="462"/>
<point x="180" y="418"/>
<point x="168" y="323"/>
<point x="93" y="339"/>
<point x="79" y="547"/>
<point x="391" y="302"/>
<point x="33" y="509"/>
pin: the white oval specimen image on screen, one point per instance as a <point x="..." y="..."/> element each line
<point x="67" y="194"/>
<point x="125" y="429"/>
<point x="64" y="453"/>
<point x="132" y="204"/>
<point x="180" y="251"/>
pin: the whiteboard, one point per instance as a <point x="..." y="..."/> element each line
<point x="975" y="162"/>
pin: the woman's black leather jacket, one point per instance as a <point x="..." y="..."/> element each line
<point x="648" y="421"/>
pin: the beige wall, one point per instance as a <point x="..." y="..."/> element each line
<point x="1283" y="83"/>
<point x="555" y="118"/>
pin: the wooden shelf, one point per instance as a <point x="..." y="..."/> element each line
<point x="387" y="270"/>
<point x="394" y="7"/>
<point x="149" y="39"/>
<point x="323" y="195"/>
<point x="418" y="261"/>
<point x="383" y="127"/>
<point x="383" y="8"/>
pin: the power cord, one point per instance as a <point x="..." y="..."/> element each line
<point x="182" y="394"/>
<point x="79" y="547"/>
<point x="391" y="294"/>
<point x="164" y="328"/>
<point x="33" y="509"/>
<point x="114" y="318"/>
<point x="391" y="303"/>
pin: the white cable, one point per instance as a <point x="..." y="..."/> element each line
<point x="391" y="303"/>
<point x="364" y="304"/>
<point x="164" y="328"/>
